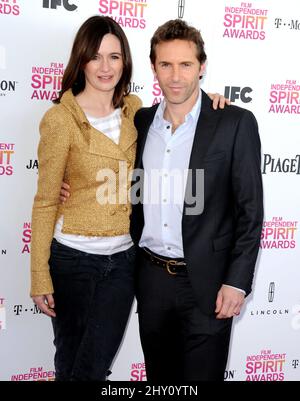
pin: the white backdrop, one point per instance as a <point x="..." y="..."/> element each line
<point x="253" y="57"/>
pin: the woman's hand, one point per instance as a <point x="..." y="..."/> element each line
<point x="64" y="192"/>
<point x="45" y="303"/>
<point x="219" y="101"/>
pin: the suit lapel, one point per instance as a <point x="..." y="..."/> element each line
<point x="205" y="132"/>
<point x="204" y="135"/>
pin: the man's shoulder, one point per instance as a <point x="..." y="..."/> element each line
<point x="237" y="112"/>
<point x="144" y="117"/>
<point x="147" y="111"/>
<point x="237" y="115"/>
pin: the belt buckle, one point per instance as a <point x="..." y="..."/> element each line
<point x="171" y="263"/>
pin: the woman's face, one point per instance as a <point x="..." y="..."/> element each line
<point x="104" y="71"/>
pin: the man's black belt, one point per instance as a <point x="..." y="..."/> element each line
<point x="173" y="266"/>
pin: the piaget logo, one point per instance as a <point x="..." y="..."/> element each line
<point x="283" y="165"/>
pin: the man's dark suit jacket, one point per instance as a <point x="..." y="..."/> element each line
<point x="220" y="244"/>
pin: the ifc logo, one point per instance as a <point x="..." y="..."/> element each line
<point x="54" y="3"/>
<point x="237" y="93"/>
<point x="2" y="58"/>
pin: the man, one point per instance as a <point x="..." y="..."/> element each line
<point x="199" y="243"/>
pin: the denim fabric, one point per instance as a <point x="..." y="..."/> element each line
<point x="93" y="296"/>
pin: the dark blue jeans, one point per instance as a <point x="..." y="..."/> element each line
<point x="93" y="296"/>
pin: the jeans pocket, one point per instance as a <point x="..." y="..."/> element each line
<point x="63" y="259"/>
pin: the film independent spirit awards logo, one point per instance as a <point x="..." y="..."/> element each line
<point x="127" y="13"/>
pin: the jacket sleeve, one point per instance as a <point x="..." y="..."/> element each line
<point x="53" y="152"/>
<point x="248" y="203"/>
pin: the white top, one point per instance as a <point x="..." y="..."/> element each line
<point x="110" y="126"/>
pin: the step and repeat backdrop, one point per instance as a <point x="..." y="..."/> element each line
<point x="254" y="59"/>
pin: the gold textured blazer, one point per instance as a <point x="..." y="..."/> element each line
<point x="70" y="149"/>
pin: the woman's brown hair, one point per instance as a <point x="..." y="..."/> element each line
<point x="85" y="46"/>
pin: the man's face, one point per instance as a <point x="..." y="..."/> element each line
<point x="178" y="70"/>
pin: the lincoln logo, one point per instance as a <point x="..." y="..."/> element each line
<point x="271" y="292"/>
<point x="181" y="8"/>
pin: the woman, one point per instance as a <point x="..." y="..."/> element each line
<point x="90" y="269"/>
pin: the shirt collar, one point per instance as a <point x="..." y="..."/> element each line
<point x="159" y="120"/>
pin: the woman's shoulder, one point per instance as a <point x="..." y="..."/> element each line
<point x="57" y="124"/>
<point x="52" y="114"/>
<point x="133" y="101"/>
<point x="56" y="115"/>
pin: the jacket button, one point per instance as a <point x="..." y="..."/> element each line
<point x="125" y="208"/>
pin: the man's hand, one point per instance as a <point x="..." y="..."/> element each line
<point x="229" y="302"/>
<point x="45" y="303"/>
<point x="218" y="100"/>
<point x="64" y="192"/>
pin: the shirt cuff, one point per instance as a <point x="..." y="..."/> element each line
<point x="238" y="289"/>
